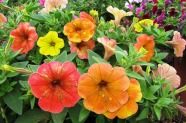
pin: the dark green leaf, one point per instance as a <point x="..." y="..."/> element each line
<point x="92" y="60"/>
<point x="100" y="119"/>
<point x="73" y="113"/>
<point x="62" y="57"/>
<point x="13" y="102"/>
<point x="143" y="114"/>
<point x="71" y="56"/>
<point x="157" y="111"/>
<point x="83" y="114"/>
<point x="59" y="118"/>
<point x="33" y="116"/>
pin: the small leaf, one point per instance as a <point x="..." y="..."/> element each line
<point x="157" y="111"/>
<point x="99" y="60"/>
<point x="60" y="117"/>
<point x="153" y="89"/>
<point x="33" y="116"/>
<point x="83" y="114"/>
<point x="13" y="102"/>
<point x="135" y="75"/>
<point x="71" y="56"/>
<point x="92" y="54"/>
<point x="62" y="57"/>
<point x="143" y="114"/>
<point x="144" y="63"/>
<point x="73" y="113"/>
<point x="100" y="119"/>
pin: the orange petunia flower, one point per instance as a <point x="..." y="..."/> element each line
<point x="55" y="84"/>
<point x="87" y="16"/>
<point x="146" y="42"/>
<point x="78" y="30"/>
<point x="24" y="37"/>
<point x="104" y="88"/>
<point x="131" y="107"/>
<point x="82" y="48"/>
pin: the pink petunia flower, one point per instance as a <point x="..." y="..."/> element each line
<point x="42" y="2"/>
<point x="168" y="72"/>
<point x="55" y="84"/>
<point x="178" y="44"/>
<point x="108" y="45"/>
<point x="2" y="19"/>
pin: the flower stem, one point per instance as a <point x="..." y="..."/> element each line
<point x="6" y="7"/>
<point x="180" y="90"/>
<point x="4" y="115"/>
<point x="7" y="48"/>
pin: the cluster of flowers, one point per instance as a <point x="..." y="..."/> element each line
<point x="105" y="89"/>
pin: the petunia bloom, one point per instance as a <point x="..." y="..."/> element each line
<point x="169" y="73"/>
<point x="103" y="88"/>
<point x="131" y="107"/>
<point x="78" y="30"/>
<point x="50" y="44"/>
<point x="146" y="42"/>
<point x="87" y="16"/>
<point x="55" y="84"/>
<point x="106" y="89"/>
<point x="82" y="48"/>
<point x="181" y="109"/>
<point x="178" y="43"/>
<point x="144" y="22"/>
<point x="118" y="14"/>
<point x="24" y="37"/>
<point x="42" y="2"/>
<point x="50" y="5"/>
<point x="2" y="19"/>
<point x="108" y="46"/>
<point x="1" y="1"/>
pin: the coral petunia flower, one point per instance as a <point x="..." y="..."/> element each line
<point x="178" y="43"/>
<point x="144" y="22"/>
<point x="50" y="44"/>
<point x="24" y="37"/>
<point x="168" y="72"/>
<point x="50" y="5"/>
<point x="82" y="48"/>
<point x="78" y="30"/>
<point x="2" y="19"/>
<point x="55" y="84"/>
<point x="108" y="45"/>
<point x="146" y="42"/>
<point x="87" y="16"/>
<point x="104" y="88"/>
<point x="131" y="107"/>
<point x="118" y="14"/>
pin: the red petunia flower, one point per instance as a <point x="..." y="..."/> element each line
<point x="147" y="42"/>
<point x="24" y="37"/>
<point x="55" y="84"/>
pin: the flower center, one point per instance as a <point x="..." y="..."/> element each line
<point x="52" y="43"/>
<point x="102" y="84"/>
<point x="55" y="83"/>
<point x="81" y="44"/>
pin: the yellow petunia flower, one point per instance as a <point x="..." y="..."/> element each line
<point x="50" y="44"/>
<point x="144" y="22"/>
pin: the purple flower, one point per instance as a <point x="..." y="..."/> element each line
<point x="167" y="2"/>
<point x="160" y="18"/>
<point x="183" y="16"/>
<point x="1" y="1"/>
<point x="154" y="9"/>
<point x="41" y="2"/>
<point x="129" y="6"/>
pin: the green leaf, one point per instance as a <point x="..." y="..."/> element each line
<point x="144" y="63"/>
<point x="62" y="57"/>
<point x="83" y="114"/>
<point x="59" y="118"/>
<point x="120" y="54"/>
<point x="144" y="114"/>
<point x="92" y="54"/>
<point x="71" y="56"/>
<point x="135" y="75"/>
<point x="157" y="111"/>
<point x="100" y="119"/>
<point x="99" y="60"/>
<point x="13" y="102"/>
<point x="163" y="101"/>
<point x="32" y="102"/>
<point x="33" y="116"/>
<point x="73" y="113"/>
<point x="2" y="78"/>
<point x="153" y="89"/>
